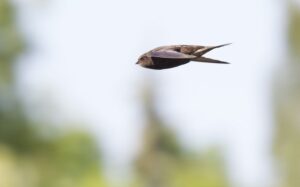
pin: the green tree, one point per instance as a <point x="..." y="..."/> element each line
<point x="28" y="158"/>
<point x="11" y="43"/>
<point x="162" y="162"/>
<point x="287" y="103"/>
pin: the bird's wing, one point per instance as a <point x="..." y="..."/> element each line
<point x="170" y="54"/>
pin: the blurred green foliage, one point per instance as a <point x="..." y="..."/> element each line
<point x="293" y="30"/>
<point x="287" y="111"/>
<point x="11" y="43"/>
<point x="162" y="162"/>
<point x="28" y="158"/>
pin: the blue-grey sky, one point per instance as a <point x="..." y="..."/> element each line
<point x="82" y="59"/>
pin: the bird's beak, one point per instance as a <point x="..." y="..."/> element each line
<point x="137" y="62"/>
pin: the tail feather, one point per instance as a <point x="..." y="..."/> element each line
<point x="204" y="50"/>
<point x="208" y="60"/>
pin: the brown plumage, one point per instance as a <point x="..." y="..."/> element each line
<point x="175" y="55"/>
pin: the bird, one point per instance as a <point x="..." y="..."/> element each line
<point x="171" y="56"/>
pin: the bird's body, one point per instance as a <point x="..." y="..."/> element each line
<point x="175" y="55"/>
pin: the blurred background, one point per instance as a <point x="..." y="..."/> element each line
<point x="75" y="110"/>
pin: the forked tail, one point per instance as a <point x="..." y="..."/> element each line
<point x="208" y="60"/>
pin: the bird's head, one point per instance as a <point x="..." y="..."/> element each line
<point x="144" y="60"/>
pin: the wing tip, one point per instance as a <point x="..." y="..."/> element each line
<point x="224" y="45"/>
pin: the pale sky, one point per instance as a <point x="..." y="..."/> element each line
<point x="82" y="61"/>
